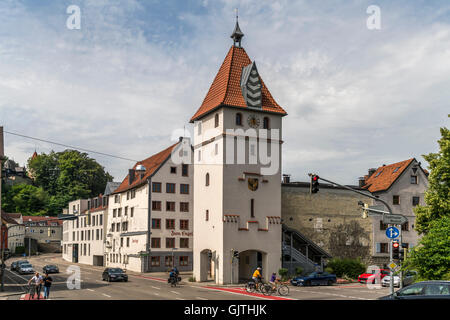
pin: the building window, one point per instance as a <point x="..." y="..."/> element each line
<point x="183" y="261"/>
<point x="156" y="223"/>
<point x="207" y="180"/>
<point x="252" y="208"/>
<point x="405" y="226"/>
<point x="170" y="223"/>
<point x="184" y="224"/>
<point x="396" y="200"/>
<point x="121" y="242"/>
<point x="170" y="187"/>
<point x="414" y="180"/>
<point x="185" y="170"/>
<point x="113" y="227"/>
<point x="156" y="242"/>
<point x="168" y="261"/>
<point x="216" y="120"/>
<point x="119" y="212"/>
<point x="207" y="215"/>
<point x="117" y="198"/>
<point x="128" y="242"/>
<point x="383" y="226"/>
<point x="133" y="193"/>
<point x="156" y="205"/>
<point x="382" y="248"/>
<point x="170" y="242"/>
<point x="170" y="206"/>
<point x="238" y="119"/>
<point x="156" y="186"/>
<point x="114" y="213"/>
<point x="155" y="261"/>
<point x="128" y="195"/>
<point x="184" y="188"/>
<point x="266" y="123"/>
<point x="131" y="212"/>
<point x="415" y="201"/>
<point x="184" y="242"/>
<point x="126" y="211"/>
<point x="118" y="227"/>
<point x="199" y="127"/>
<point x="173" y="170"/>
<point x="184" y="206"/>
<point x="124" y="226"/>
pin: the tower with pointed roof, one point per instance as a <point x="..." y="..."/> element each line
<point x="237" y="191"/>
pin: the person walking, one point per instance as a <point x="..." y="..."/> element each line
<point x="47" y="284"/>
<point x="37" y="279"/>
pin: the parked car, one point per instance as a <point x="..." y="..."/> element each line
<point x="315" y="278"/>
<point x="16" y="264"/>
<point x="114" y="274"/>
<point x="25" y="268"/>
<point x="437" y="289"/>
<point x="50" y="268"/>
<point x="373" y="276"/>
<point x="408" y="278"/>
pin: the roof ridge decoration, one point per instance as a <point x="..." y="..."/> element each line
<point x="237" y="34"/>
<point x="251" y="86"/>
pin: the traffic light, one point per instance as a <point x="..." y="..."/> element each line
<point x="236" y="254"/>
<point x="395" y="250"/>
<point x="314" y="183"/>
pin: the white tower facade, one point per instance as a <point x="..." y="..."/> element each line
<point x="237" y="175"/>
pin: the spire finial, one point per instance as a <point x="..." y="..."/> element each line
<point x="237" y="33"/>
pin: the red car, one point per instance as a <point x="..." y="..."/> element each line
<point x="373" y="276"/>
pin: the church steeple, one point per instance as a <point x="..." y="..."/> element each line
<point x="237" y="33"/>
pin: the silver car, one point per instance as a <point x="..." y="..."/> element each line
<point x="408" y="278"/>
<point x="25" y="268"/>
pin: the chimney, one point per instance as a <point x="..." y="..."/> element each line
<point x="130" y="176"/>
<point x="286" y="178"/>
<point x="362" y="182"/>
<point x="371" y="171"/>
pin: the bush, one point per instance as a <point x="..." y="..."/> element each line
<point x="20" y="250"/>
<point x="192" y="279"/>
<point x="350" y="267"/>
<point x="329" y="270"/>
<point x="298" y="270"/>
<point x="283" y="273"/>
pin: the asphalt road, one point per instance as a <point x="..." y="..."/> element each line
<point x="154" y="286"/>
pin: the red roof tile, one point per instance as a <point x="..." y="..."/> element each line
<point x="226" y="88"/>
<point x="385" y="176"/>
<point x="151" y="164"/>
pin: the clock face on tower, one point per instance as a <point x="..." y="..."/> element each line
<point x="253" y="121"/>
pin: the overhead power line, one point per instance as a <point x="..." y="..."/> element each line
<point x="67" y="146"/>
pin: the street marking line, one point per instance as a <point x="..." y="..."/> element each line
<point x="156" y="294"/>
<point x="242" y="291"/>
<point x="179" y="299"/>
<point x="200" y="298"/>
<point x="175" y="292"/>
<point x="106" y="295"/>
<point x="155" y="287"/>
<point x="91" y="290"/>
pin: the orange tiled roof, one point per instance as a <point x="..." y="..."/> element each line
<point x="385" y="176"/>
<point x="226" y="88"/>
<point x="151" y="164"/>
<point x="48" y="220"/>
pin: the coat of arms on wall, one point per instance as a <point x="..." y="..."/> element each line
<point x="253" y="184"/>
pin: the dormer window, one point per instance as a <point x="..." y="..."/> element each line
<point x="414" y="180"/>
<point x="379" y="173"/>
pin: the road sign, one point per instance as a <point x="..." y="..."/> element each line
<point x="394" y="219"/>
<point x="392" y="265"/>
<point x="392" y="232"/>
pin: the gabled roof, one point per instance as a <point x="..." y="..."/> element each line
<point x="7" y="218"/>
<point x="151" y="164"/>
<point x="47" y="220"/>
<point x="385" y="176"/>
<point x="226" y="87"/>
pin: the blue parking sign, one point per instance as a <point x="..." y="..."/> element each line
<point x="392" y="232"/>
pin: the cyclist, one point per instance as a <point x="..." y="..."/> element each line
<point x="37" y="283"/>
<point x="173" y="275"/>
<point x="257" y="275"/>
<point x="274" y="280"/>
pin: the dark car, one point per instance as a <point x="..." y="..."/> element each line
<point x="114" y="274"/>
<point x="50" y="269"/>
<point x="25" y="268"/>
<point x="422" y="290"/>
<point x="315" y="278"/>
<point x="16" y="264"/>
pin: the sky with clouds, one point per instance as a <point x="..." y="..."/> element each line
<point x="137" y="71"/>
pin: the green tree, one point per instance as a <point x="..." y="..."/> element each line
<point x="68" y="176"/>
<point x="26" y="199"/>
<point x="437" y="197"/>
<point x="431" y="257"/>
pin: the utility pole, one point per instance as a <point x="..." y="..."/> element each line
<point x="2" y="236"/>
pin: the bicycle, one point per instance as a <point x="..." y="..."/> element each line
<point x="32" y="290"/>
<point x="252" y="286"/>
<point x="280" y="288"/>
<point x="174" y="281"/>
